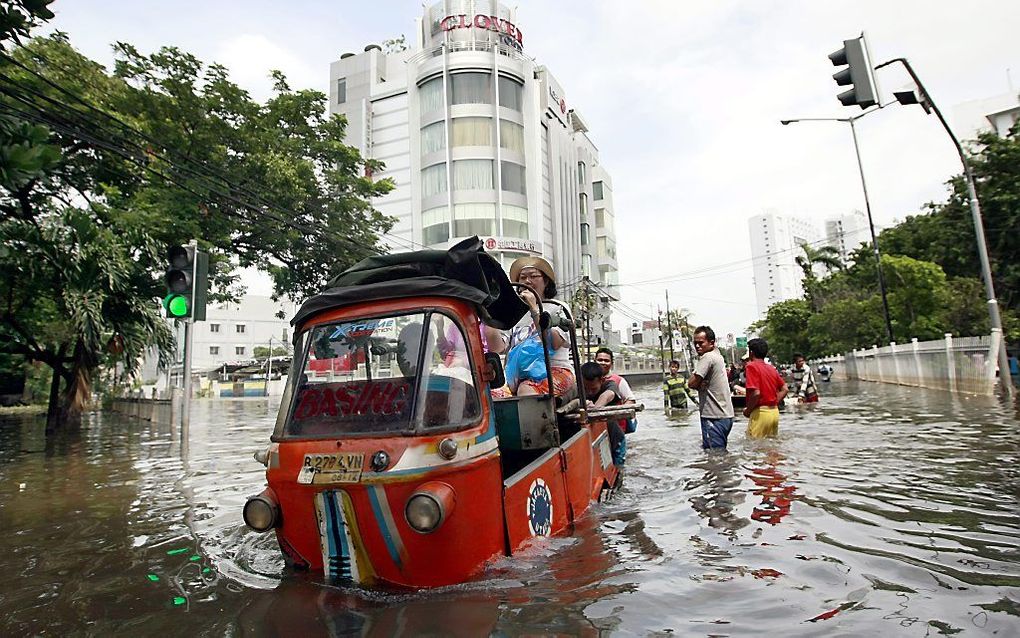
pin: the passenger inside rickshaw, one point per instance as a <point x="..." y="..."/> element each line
<point x="384" y="375"/>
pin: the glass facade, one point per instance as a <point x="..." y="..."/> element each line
<point x="473" y="174"/>
<point x="472" y="131"/>
<point x="513" y="178"/>
<point x="433" y="138"/>
<point x="430" y="96"/>
<point x="433" y="180"/>
<point x="511" y="136"/>
<point x="511" y="94"/>
<point x="471" y="88"/>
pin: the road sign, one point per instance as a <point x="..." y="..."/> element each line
<point x="741" y="342"/>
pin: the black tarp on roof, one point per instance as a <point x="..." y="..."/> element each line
<point x="465" y="272"/>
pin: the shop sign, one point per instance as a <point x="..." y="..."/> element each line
<point x="511" y="243"/>
<point x="510" y="34"/>
<point x="558" y="99"/>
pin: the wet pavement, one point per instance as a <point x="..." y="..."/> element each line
<point x="880" y="511"/>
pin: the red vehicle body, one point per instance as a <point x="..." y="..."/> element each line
<point x="412" y="475"/>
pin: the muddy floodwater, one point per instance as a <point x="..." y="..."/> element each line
<point x="880" y="511"/>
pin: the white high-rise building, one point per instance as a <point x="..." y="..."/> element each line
<point x="776" y="241"/>
<point x="995" y="114"/>
<point x="480" y="140"/>
<point x="847" y="232"/>
<point x="775" y="245"/>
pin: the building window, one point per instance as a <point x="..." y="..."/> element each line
<point x="600" y="217"/>
<point x="214" y="350"/>
<point x="435" y="224"/>
<point x="582" y="204"/>
<point x="584" y="234"/>
<point x="471" y="88"/>
<point x="515" y="221"/>
<point x="513" y="178"/>
<point x="474" y="219"/>
<point x="239" y="328"/>
<point x="433" y="180"/>
<point x="433" y="138"/>
<point x="596" y="190"/>
<point x="511" y="94"/>
<point x="430" y="96"/>
<point x="238" y="349"/>
<point x="511" y="136"/>
<point x="214" y="327"/>
<point x="341" y="90"/>
<point x="580" y="173"/>
<point x="586" y="265"/>
<point x="472" y="131"/>
<point x="475" y="174"/>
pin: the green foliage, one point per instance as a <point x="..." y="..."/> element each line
<point x="18" y="17"/>
<point x="169" y="150"/>
<point x="931" y="270"/>
<point x="786" y="328"/>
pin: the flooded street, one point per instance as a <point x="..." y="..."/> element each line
<point x="880" y="511"/>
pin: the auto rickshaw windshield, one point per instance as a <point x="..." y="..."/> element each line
<point x="391" y="374"/>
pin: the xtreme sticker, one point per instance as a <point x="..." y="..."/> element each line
<point x="540" y="508"/>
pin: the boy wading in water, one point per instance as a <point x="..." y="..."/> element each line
<point x="765" y="389"/>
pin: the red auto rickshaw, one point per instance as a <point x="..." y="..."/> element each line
<point x="398" y="467"/>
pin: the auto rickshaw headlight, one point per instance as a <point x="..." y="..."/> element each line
<point x="262" y="513"/>
<point x="429" y="506"/>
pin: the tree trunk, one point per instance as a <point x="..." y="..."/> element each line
<point x="78" y="390"/>
<point x="53" y="407"/>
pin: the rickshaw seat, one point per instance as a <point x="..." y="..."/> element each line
<point x="526" y="422"/>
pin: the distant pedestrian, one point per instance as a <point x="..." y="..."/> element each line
<point x="713" y="388"/>
<point x="804" y="386"/>
<point x="674" y="387"/>
<point x="765" y="389"/>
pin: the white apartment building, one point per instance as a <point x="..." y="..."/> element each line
<point x="847" y="232"/>
<point x="482" y="140"/>
<point x="775" y="244"/>
<point x="232" y="331"/>
<point x="996" y="114"/>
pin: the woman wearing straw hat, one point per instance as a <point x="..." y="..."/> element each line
<point x="538" y="273"/>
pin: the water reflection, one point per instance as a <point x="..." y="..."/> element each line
<point x="880" y="510"/>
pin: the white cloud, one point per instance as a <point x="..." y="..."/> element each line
<point x="251" y="56"/>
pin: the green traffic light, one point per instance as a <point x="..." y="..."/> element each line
<point x="176" y="305"/>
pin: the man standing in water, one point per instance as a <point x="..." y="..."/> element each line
<point x="765" y="390"/>
<point x="713" y="388"/>
<point x="803" y="380"/>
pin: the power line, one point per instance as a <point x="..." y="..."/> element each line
<point x="206" y="171"/>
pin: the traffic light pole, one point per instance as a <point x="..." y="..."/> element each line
<point x="995" y="319"/>
<point x="867" y="207"/>
<point x="871" y="225"/>
<point x="189" y="332"/>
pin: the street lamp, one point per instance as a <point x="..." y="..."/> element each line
<point x="867" y="204"/>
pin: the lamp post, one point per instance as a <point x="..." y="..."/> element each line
<point x="995" y="319"/>
<point x="867" y="205"/>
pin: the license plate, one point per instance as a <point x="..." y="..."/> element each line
<point x="331" y="468"/>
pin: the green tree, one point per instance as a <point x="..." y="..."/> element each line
<point x="945" y="234"/>
<point x="785" y="328"/>
<point x="826" y="257"/>
<point x="163" y="150"/>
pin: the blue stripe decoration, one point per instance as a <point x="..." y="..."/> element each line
<point x="339" y="567"/>
<point x="382" y="521"/>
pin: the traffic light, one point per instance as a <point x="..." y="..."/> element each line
<point x="187" y="283"/>
<point x="858" y="74"/>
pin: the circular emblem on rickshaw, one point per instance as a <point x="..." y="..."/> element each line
<point x="539" y="508"/>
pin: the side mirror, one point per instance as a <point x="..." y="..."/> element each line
<point x="493" y="370"/>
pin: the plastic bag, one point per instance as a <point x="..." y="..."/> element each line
<point x="525" y="361"/>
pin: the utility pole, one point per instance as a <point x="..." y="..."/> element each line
<point x="669" y="327"/>
<point x="995" y="319"/>
<point x="867" y="207"/>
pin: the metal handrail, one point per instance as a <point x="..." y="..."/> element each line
<point x="471" y="45"/>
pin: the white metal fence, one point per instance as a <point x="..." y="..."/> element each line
<point x="963" y="364"/>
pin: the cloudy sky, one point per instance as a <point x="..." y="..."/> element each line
<point x="683" y="99"/>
